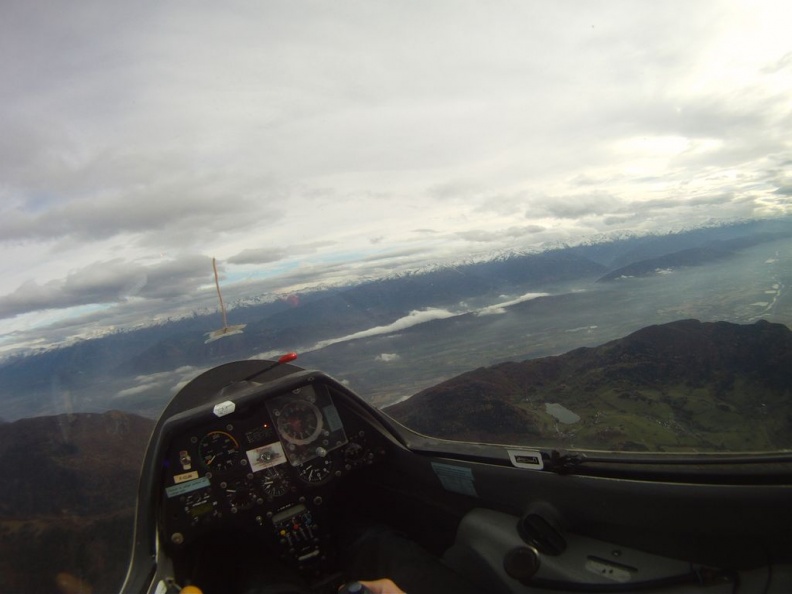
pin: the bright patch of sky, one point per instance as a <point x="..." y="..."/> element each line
<point x="313" y="142"/>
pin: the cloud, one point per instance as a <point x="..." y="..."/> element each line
<point x="675" y="203"/>
<point x="169" y="211"/>
<point x="388" y="357"/>
<point x="412" y="319"/>
<point x="499" y="235"/>
<point x="455" y="189"/>
<point x="171" y="381"/>
<point x="783" y="63"/>
<point x="386" y="257"/>
<point x="268" y="255"/>
<point x="110" y="281"/>
<point x="272" y="140"/>
<point x="619" y="220"/>
<point x="500" y="308"/>
<point x="574" y="206"/>
<point x="258" y="256"/>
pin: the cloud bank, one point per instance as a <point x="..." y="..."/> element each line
<point x="412" y="319"/>
<point x="305" y="144"/>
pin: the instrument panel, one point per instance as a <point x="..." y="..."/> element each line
<point x="267" y="468"/>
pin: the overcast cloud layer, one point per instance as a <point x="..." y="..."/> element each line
<point x="303" y="142"/>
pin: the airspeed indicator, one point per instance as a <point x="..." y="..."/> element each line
<point x="218" y="450"/>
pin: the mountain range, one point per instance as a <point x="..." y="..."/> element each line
<point x="89" y="369"/>
<point x="67" y="498"/>
<point x="711" y="251"/>
<point x="682" y="386"/>
<point x="67" y="495"/>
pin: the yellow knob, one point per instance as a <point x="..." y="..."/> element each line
<point x="191" y="590"/>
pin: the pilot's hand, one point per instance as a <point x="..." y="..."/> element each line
<point x="383" y="586"/>
<point x="70" y="584"/>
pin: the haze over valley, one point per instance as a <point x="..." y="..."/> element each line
<point x="684" y="386"/>
<point x="394" y="337"/>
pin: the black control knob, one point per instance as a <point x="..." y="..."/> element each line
<point x="521" y="563"/>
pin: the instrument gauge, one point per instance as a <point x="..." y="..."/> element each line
<point x="218" y="451"/>
<point x="241" y="494"/>
<point x="315" y="471"/>
<point x="199" y="506"/>
<point x="274" y="482"/>
<point x="299" y="422"/>
<point x="354" y="452"/>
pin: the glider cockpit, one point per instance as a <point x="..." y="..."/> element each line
<point x="258" y="471"/>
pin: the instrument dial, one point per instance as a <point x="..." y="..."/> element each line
<point x="354" y="452"/>
<point x="299" y="422"/>
<point x="218" y="450"/>
<point x="315" y="471"/>
<point x="199" y="506"/>
<point x="274" y="482"/>
<point x="241" y="494"/>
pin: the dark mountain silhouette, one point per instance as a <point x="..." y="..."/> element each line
<point x="67" y="495"/>
<point x="684" y="258"/>
<point x="685" y="385"/>
<point x="712" y="251"/>
<point x="67" y="498"/>
<point x="619" y="253"/>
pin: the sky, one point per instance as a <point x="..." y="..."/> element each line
<point x="326" y="142"/>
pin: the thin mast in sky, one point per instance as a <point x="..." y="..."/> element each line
<point x="226" y="330"/>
